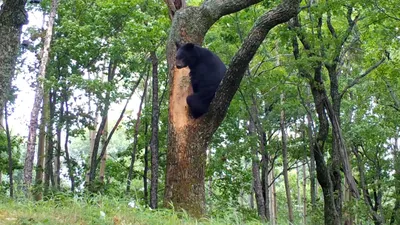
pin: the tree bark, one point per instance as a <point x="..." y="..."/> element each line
<point x="273" y="205"/>
<point x="57" y="156"/>
<point x="188" y="138"/>
<point x="40" y="156"/>
<point x="285" y="163"/>
<point x="9" y="151"/>
<point x="257" y="186"/>
<point x="12" y="17"/>
<point x="154" y="134"/>
<point x="30" y="153"/>
<point x="67" y="156"/>
<point x="304" y="194"/>
<point x="146" y="167"/>
<point x="104" y="158"/>
<point x="396" y="159"/>
<point x="50" y="176"/>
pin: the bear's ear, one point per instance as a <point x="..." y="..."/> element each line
<point x="190" y="45"/>
<point x="177" y="45"/>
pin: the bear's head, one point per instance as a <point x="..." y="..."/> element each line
<point x="187" y="55"/>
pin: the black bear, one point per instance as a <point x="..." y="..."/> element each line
<point x="206" y="72"/>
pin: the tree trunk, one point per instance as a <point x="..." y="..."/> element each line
<point x="188" y="138"/>
<point x="104" y="158"/>
<point x="154" y="134"/>
<point x="30" y="153"/>
<point x="67" y="156"/>
<point x="12" y="17"/>
<point x="135" y="136"/>
<point x="265" y="175"/>
<point x="396" y="159"/>
<point x="146" y="167"/>
<point x="313" y="186"/>
<point x="40" y="156"/>
<point x="273" y="203"/>
<point x="50" y="160"/>
<point x="57" y="157"/>
<point x="92" y="138"/>
<point x="9" y="151"/>
<point x="304" y="194"/>
<point x="257" y="186"/>
<point x="285" y="163"/>
<point x="298" y="184"/>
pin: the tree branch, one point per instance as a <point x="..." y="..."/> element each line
<point x="226" y="7"/>
<point x="173" y="6"/>
<point x="330" y="26"/>
<point x="393" y="95"/>
<point x="382" y="10"/>
<point x="357" y="79"/>
<point x="104" y="147"/>
<point x="231" y="81"/>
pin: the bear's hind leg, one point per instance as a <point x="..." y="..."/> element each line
<point x="196" y="106"/>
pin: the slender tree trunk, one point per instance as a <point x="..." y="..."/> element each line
<point x="396" y="159"/>
<point x="50" y="160"/>
<point x="12" y="17"/>
<point x="135" y="136"/>
<point x="92" y="137"/>
<point x="9" y="151"/>
<point x="264" y="170"/>
<point x="298" y="184"/>
<point x="273" y="205"/>
<point x="154" y="134"/>
<point x="95" y="161"/>
<point x="30" y="153"/>
<point x="313" y="186"/>
<point x="104" y="158"/>
<point x="257" y="186"/>
<point x="251" y="195"/>
<point x="373" y="209"/>
<point x="304" y="194"/>
<point x="50" y="175"/>
<point x="285" y="163"/>
<point x="67" y="156"/>
<point x="146" y="167"/>
<point x="57" y="157"/>
<point x="40" y="155"/>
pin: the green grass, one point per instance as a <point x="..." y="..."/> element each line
<point x="99" y="210"/>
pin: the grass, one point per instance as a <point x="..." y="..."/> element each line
<point x="99" y="210"/>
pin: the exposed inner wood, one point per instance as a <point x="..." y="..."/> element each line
<point x="181" y="88"/>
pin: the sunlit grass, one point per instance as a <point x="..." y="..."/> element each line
<point x="99" y="210"/>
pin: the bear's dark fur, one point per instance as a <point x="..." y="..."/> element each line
<point x="206" y="72"/>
